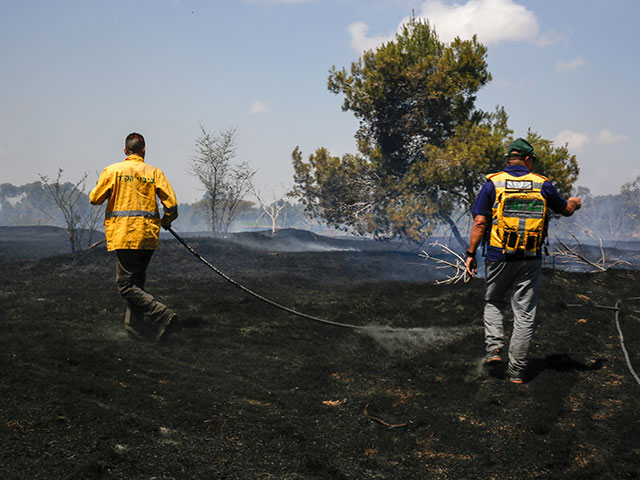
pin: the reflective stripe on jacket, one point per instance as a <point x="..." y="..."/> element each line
<point x="132" y="219"/>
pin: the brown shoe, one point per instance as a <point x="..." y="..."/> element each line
<point x="515" y="376"/>
<point x="493" y="357"/>
<point x="172" y="325"/>
<point x="133" y="333"/>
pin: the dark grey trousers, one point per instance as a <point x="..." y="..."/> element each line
<point x="144" y="313"/>
<point x="522" y="279"/>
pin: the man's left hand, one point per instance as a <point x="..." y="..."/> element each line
<point x="165" y="222"/>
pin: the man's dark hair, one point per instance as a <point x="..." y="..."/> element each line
<point x="134" y="143"/>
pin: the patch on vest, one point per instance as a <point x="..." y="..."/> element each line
<point x="519" y="184"/>
<point x="523" y="207"/>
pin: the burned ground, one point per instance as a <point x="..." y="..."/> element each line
<point x="248" y="391"/>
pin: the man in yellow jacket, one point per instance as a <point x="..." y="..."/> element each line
<point x="132" y="227"/>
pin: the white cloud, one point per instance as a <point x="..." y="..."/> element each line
<point x="359" y="39"/>
<point x="574" y="140"/>
<point x="606" y="137"/>
<point x="258" y="107"/>
<point x="568" y="66"/>
<point x="493" y="21"/>
<point x="551" y="37"/>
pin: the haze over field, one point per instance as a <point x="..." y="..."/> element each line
<point x="79" y="76"/>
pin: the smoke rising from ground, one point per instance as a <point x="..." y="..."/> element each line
<point x="412" y="340"/>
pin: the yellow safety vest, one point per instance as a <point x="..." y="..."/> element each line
<point x="519" y="217"/>
<point x="132" y="220"/>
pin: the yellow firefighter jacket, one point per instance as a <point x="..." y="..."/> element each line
<point x="519" y="218"/>
<point x="132" y="220"/>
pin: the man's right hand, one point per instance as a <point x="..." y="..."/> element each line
<point x="472" y="266"/>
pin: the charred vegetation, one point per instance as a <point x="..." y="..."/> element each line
<point x="246" y="391"/>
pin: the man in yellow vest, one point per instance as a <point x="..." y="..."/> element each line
<point x="514" y="204"/>
<point x="132" y="227"/>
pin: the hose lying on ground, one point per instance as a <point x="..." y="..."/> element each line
<point x="257" y="295"/>
<point x="617" y="309"/>
<point x="624" y="349"/>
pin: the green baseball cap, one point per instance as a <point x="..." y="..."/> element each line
<point x="521" y="146"/>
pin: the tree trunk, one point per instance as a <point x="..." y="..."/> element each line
<point x="454" y="229"/>
<point x="72" y="238"/>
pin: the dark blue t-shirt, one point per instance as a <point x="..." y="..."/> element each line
<point x="487" y="197"/>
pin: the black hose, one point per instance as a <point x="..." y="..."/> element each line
<point x="624" y="349"/>
<point x="257" y="295"/>
<point x="616" y="309"/>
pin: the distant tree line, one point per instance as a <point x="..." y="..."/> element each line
<point x="33" y="204"/>
<point x="612" y="217"/>
<point x="26" y="205"/>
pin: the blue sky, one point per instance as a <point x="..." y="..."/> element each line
<point x="78" y="76"/>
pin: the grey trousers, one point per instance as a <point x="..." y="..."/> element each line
<point x="144" y="314"/>
<point x="522" y="279"/>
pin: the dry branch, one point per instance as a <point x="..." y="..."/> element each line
<point x="382" y="422"/>
<point x="81" y="225"/>
<point x="459" y="265"/>
<point x="575" y="253"/>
